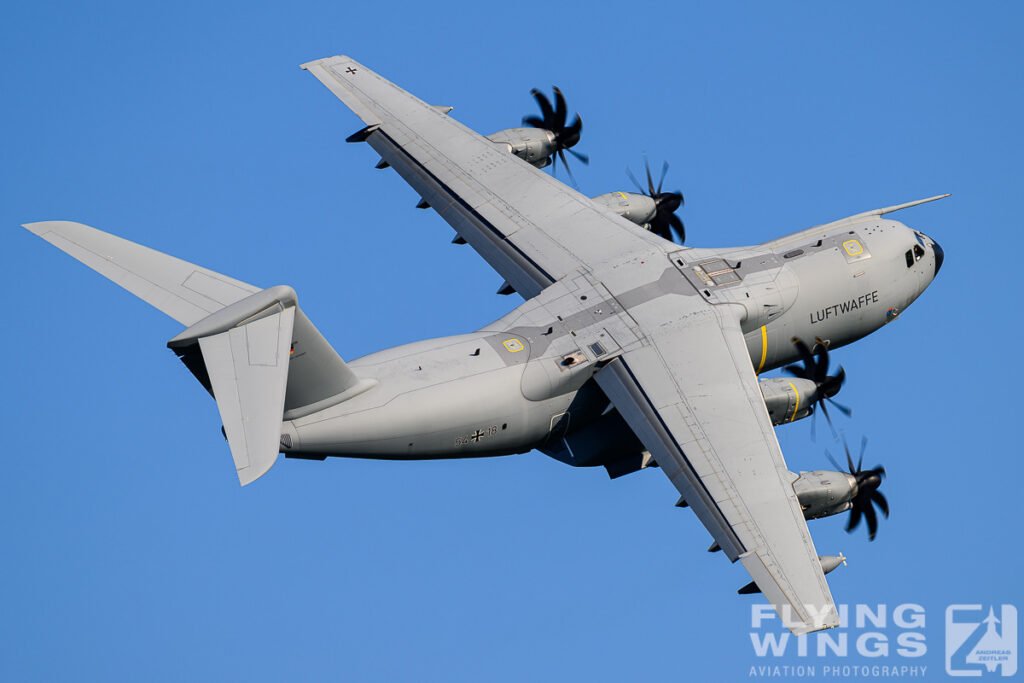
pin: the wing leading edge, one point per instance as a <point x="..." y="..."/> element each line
<point x="531" y="228"/>
<point x="688" y="391"/>
<point x="691" y="397"/>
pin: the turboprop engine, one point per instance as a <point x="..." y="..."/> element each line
<point x="633" y="206"/>
<point x="546" y="137"/>
<point x="788" y="398"/>
<point x="532" y="145"/>
<point x="793" y="398"/>
<point x="653" y="209"/>
<point x="825" y="492"/>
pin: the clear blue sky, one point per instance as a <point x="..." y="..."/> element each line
<point x="130" y="552"/>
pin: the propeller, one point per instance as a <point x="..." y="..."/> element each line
<point x="665" y="220"/>
<point x="553" y="119"/>
<point x="867" y="492"/>
<point x="815" y="368"/>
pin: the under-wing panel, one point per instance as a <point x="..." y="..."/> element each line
<point x="528" y="226"/>
<point x="691" y="396"/>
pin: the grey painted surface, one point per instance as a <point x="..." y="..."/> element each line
<point x="627" y="348"/>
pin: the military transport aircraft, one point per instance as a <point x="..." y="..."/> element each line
<point x="629" y="350"/>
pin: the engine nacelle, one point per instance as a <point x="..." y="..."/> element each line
<point x="532" y="145"/>
<point x="824" y="492"/>
<point x="788" y="398"/>
<point x="638" y="208"/>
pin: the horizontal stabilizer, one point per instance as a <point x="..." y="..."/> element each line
<point x="186" y="292"/>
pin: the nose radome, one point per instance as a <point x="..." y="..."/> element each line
<point x="939" y="255"/>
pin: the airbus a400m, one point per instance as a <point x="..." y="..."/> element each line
<point x="629" y="350"/>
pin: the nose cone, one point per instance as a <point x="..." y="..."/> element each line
<point x="939" y="255"/>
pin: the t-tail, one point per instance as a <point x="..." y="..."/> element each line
<point x="253" y="349"/>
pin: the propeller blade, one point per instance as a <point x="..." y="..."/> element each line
<point x="635" y="181"/>
<point x="841" y="376"/>
<point x="796" y="371"/>
<point x="661" y="229"/>
<point x="864" y="446"/>
<point x="828" y="418"/>
<point x="579" y="155"/>
<point x="833" y="460"/>
<point x="854" y="519"/>
<point x="677" y="224"/>
<point x="545" y="108"/>
<point x="821" y="366"/>
<point x="561" y="111"/>
<point x="881" y="502"/>
<point x="840" y="407"/>
<point x="805" y="355"/>
<point x="561" y="155"/>
<point x="664" y="170"/>
<point x="571" y="135"/>
<point x="849" y="460"/>
<point x="872" y="519"/>
<point x="535" y="121"/>
<point x="650" y="183"/>
<point x="670" y="201"/>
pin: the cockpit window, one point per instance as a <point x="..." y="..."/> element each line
<point x="910" y="257"/>
<point x="918" y="252"/>
<point x="914" y="255"/>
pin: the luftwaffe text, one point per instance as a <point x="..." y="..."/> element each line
<point x="845" y="307"/>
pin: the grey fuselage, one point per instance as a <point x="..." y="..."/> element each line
<point x="524" y="381"/>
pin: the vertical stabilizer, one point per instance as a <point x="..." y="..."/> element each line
<point x="248" y="369"/>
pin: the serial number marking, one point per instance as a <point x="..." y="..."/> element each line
<point x="845" y="307"/>
<point x="477" y="436"/>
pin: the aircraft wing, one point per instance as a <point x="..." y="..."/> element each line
<point x="686" y="388"/>
<point x="528" y="226"/>
<point x="691" y="397"/>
